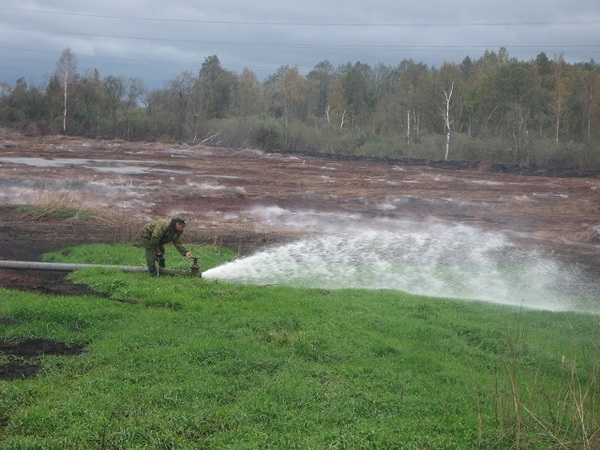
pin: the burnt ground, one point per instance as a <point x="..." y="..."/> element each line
<point x="246" y="199"/>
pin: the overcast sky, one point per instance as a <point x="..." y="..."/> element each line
<point x="156" y="40"/>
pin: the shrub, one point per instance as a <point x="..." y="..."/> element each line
<point x="266" y="133"/>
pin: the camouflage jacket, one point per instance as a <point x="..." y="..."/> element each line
<point x="161" y="232"/>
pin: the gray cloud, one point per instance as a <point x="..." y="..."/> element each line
<point x="156" y="40"/>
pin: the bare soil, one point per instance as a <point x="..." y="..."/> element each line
<point x="24" y="356"/>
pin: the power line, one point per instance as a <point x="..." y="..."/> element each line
<point x="317" y="24"/>
<point x="304" y="45"/>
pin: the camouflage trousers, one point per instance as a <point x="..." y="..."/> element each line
<point x="152" y="255"/>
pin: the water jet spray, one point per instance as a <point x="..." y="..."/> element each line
<point x="432" y="259"/>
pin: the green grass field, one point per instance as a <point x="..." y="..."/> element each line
<point x="186" y="363"/>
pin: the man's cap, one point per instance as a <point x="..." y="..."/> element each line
<point x="180" y="220"/>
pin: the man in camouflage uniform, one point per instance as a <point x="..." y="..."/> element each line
<point x="156" y="234"/>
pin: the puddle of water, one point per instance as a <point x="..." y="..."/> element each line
<point x="113" y="166"/>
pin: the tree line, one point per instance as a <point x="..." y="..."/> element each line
<point x="543" y="112"/>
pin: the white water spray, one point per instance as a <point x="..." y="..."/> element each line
<point x="428" y="259"/>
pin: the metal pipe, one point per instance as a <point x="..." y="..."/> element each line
<point x="66" y="267"/>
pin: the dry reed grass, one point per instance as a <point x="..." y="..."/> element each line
<point x="73" y="208"/>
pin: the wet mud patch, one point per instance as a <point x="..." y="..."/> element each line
<point x="19" y="370"/>
<point x="23" y="356"/>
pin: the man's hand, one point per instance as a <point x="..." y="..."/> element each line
<point x="189" y="255"/>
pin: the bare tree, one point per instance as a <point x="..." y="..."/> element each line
<point x="408" y="127"/>
<point x="182" y="88"/>
<point x="114" y="92"/>
<point x="66" y="71"/>
<point x="135" y="91"/>
<point x="447" y="121"/>
<point x="559" y="63"/>
<point x="587" y="97"/>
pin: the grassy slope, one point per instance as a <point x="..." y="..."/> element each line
<point x="203" y="364"/>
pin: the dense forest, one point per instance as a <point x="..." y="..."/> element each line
<point x="539" y="113"/>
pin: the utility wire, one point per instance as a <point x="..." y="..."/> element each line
<point x="296" y="45"/>
<point x="317" y="24"/>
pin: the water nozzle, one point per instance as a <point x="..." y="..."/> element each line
<point x="195" y="269"/>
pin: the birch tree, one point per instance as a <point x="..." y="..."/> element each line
<point x="66" y="72"/>
<point x="588" y="101"/>
<point x="447" y="121"/>
<point x="559" y="93"/>
<point x="447" y="77"/>
<point x="338" y="104"/>
<point x="412" y="87"/>
<point x="357" y="91"/>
